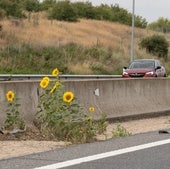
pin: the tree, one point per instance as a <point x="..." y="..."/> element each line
<point x="84" y="9"/>
<point x="63" y="11"/>
<point x="140" y="22"/>
<point x="12" y="8"/>
<point x="123" y="16"/>
<point x="103" y="12"/>
<point x="162" y="25"/>
<point x="30" y="6"/>
<point x="47" y="4"/>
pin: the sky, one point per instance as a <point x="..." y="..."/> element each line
<point x="151" y="10"/>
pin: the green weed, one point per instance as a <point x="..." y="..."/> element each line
<point x="120" y="131"/>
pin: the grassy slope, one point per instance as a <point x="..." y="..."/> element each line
<point x="86" y="32"/>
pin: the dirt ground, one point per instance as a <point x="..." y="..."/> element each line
<point x="32" y="141"/>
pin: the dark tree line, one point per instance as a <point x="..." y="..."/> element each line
<point x="68" y="11"/>
<point x="17" y="8"/>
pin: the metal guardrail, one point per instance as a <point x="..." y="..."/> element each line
<point x="8" y="77"/>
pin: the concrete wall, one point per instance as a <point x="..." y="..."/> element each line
<point x="26" y="91"/>
<point x="117" y="97"/>
<point x="124" y="97"/>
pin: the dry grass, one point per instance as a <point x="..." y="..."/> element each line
<point x="85" y="32"/>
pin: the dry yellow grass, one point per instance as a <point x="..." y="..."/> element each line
<point x="84" y="32"/>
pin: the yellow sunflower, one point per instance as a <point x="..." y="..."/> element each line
<point x="91" y="109"/>
<point x="54" y="87"/>
<point x="55" y="72"/>
<point x="68" y="97"/>
<point x="44" y="82"/>
<point x="10" y="95"/>
<point x="46" y="78"/>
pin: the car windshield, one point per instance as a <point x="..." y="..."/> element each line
<point x="142" y="64"/>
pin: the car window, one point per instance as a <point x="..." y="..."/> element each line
<point x="149" y="64"/>
<point x="142" y="64"/>
<point x="158" y="63"/>
<point x="134" y="65"/>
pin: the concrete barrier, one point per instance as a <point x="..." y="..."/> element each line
<point x="124" y="97"/>
<point x="26" y="91"/>
<point x="117" y="98"/>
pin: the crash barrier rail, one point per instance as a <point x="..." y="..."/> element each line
<point x="8" y="77"/>
<point x="117" y="98"/>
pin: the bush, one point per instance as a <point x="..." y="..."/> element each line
<point x="156" y="45"/>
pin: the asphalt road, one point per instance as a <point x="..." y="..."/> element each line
<point x="142" y="151"/>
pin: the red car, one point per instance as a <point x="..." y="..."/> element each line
<point x="144" y="68"/>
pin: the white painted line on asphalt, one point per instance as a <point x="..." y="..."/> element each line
<point x="104" y="155"/>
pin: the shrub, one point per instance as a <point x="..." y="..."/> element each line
<point x="156" y="45"/>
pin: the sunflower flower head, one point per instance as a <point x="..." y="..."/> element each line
<point x="44" y="82"/>
<point x="55" y="72"/>
<point x="68" y="97"/>
<point x="10" y="95"/>
<point x="46" y="78"/>
<point x="91" y="109"/>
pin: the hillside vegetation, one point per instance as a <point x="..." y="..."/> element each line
<point x="84" y="47"/>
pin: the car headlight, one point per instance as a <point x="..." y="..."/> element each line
<point x="125" y="73"/>
<point x="150" y="73"/>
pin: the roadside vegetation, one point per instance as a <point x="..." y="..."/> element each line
<point x="33" y="41"/>
<point x="79" y="39"/>
<point x="85" y="47"/>
<point x="59" y="116"/>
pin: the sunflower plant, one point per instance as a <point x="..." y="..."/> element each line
<point x="60" y="116"/>
<point x="13" y="119"/>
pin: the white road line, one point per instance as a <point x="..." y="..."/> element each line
<point x="104" y="155"/>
